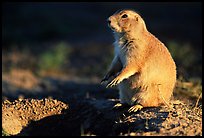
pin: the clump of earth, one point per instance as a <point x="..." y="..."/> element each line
<point x="18" y="114"/>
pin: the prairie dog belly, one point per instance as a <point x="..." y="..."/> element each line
<point x="126" y="90"/>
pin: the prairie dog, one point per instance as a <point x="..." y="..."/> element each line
<point x="143" y="68"/>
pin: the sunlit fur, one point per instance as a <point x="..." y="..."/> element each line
<point x="148" y="72"/>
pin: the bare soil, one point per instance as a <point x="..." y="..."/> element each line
<point x="59" y="107"/>
<point x="19" y="113"/>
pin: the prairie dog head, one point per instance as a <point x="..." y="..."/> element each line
<point x="126" y="21"/>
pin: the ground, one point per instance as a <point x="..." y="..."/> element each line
<point x="52" y="106"/>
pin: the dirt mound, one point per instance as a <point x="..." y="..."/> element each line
<point x="96" y="117"/>
<point x="179" y="119"/>
<point x="85" y="108"/>
<point x="17" y="114"/>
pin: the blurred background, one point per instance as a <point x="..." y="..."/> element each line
<point x="70" y="40"/>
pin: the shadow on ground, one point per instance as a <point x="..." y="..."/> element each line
<point x="87" y="117"/>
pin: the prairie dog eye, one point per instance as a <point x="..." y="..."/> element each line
<point x="124" y="16"/>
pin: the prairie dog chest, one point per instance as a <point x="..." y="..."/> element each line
<point x="120" y="52"/>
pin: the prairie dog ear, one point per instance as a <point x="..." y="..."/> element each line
<point x="136" y="18"/>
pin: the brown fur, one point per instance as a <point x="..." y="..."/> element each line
<point x="144" y="69"/>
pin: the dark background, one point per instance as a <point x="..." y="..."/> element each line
<point x="32" y="28"/>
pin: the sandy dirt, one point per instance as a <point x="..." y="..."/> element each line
<point x="59" y="107"/>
